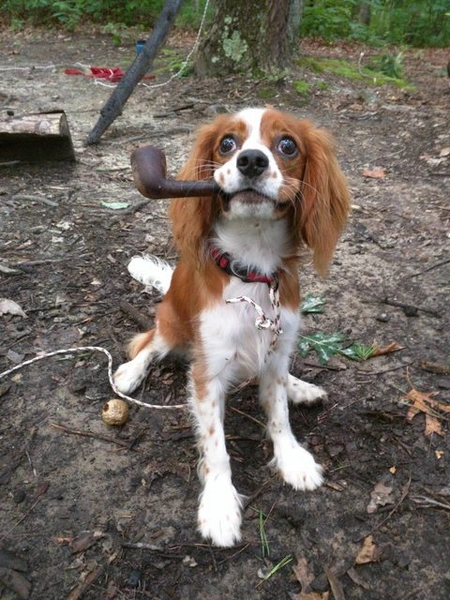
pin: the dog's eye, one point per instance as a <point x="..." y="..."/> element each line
<point x="227" y="145"/>
<point x="287" y="146"/>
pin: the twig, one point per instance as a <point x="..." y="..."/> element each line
<point x="89" y="434"/>
<point x="40" y="492"/>
<point x="29" y="198"/>
<point x="137" y="317"/>
<point x="240" y="412"/>
<point x="429" y="502"/>
<point x="409" y="309"/>
<point x="382" y="371"/>
<point x="133" y="208"/>
<point x="402" y="497"/>
<point x="235" y="554"/>
<point x="256" y="493"/>
<point x="435" y="266"/>
<point x="91" y="578"/>
<point x="142" y="546"/>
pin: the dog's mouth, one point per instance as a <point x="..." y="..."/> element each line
<point x="250" y="197"/>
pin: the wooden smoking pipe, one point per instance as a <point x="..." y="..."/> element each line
<point x="150" y="177"/>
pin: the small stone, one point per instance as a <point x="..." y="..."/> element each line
<point x="382" y="317"/>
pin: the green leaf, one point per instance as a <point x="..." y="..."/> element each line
<point x="328" y="345"/>
<point x="313" y="304"/>
<point x="116" y="205"/>
<point x="325" y="345"/>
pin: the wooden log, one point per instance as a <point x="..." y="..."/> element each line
<point x="36" y="137"/>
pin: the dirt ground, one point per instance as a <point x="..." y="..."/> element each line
<point x="100" y="513"/>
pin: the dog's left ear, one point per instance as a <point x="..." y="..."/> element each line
<point x="325" y="198"/>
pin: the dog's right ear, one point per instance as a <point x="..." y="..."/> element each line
<point x="192" y="218"/>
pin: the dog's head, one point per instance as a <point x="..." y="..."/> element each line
<point x="269" y="165"/>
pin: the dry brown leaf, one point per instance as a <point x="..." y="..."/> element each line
<point x="421" y="402"/>
<point x="434" y="367"/>
<point x="432" y="425"/>
<point x="303" y="573"/>
<point x="85" y="540"/>
<point x="369" y="552"/>
<point x="305" y="577"/>
<point x="392" y="347"/>
<point x="311" y="596"/>
<point x="376" y="173"/>
<point x="380" y="496"/>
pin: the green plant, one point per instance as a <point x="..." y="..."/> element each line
<point x="328" y="345"/>
<point x="302" y="87"/>
<point x="389" y="64"/>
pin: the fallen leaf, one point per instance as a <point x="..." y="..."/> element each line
<point x="305" y="577"/>
<point x="303" y="573"/>
<point x="116" y="205"/>
<point x="85" y="540"/>
<point x="432" y="425"/>
<point x="11" y="307"/>
<point x="335" y="585"/>
<point x="434" y="367"/>
<point x="311" y="596"/>
<point x="444" y="152"/>
<point x="380" y="496"/>
<point x="392" y="347"/>
<point x="421" y="402"/>
<point x="369" y="552"/>
<point x="376" y="173"/>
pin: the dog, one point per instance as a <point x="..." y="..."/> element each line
<point x="233" y="299"/>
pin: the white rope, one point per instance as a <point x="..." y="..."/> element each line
<point x="188" y="57"/>
<point x="31" y="67"/>
<point x="110" y="373"/>
<point x="263" y="322"/>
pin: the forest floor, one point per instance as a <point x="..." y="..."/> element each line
<point x="99" y="513"/>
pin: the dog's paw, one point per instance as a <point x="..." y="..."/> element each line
<point x="301" y="392"/>
<point x="219" y="514"/>
<point x="129" y="377"/>
<point x="298" y="468"/>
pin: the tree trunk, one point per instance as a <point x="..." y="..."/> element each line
<point x="363" y="12"/>
<point x="250" y="37"/>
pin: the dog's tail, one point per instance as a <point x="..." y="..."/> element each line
<point x="151" y="271"/>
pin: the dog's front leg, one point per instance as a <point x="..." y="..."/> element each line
<point x="296" y="465"/>
<point x="219" y="515"/>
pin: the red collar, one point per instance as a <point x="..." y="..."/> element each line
<point x="225" y="261"/>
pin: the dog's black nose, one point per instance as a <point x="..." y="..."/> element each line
<point x="252" y="163"/>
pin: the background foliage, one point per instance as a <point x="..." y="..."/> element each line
<point x="410" y="22"/>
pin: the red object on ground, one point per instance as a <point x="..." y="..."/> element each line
<point x="113" y="75"/>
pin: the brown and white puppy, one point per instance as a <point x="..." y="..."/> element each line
<point x="233" y="299"/>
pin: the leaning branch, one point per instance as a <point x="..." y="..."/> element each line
<point x="142" y="63"/>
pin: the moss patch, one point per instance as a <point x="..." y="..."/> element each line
<point x="302" y="87"/>
<point x="350" y="71"/>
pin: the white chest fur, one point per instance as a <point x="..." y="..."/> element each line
<point x="233" y="346"/>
